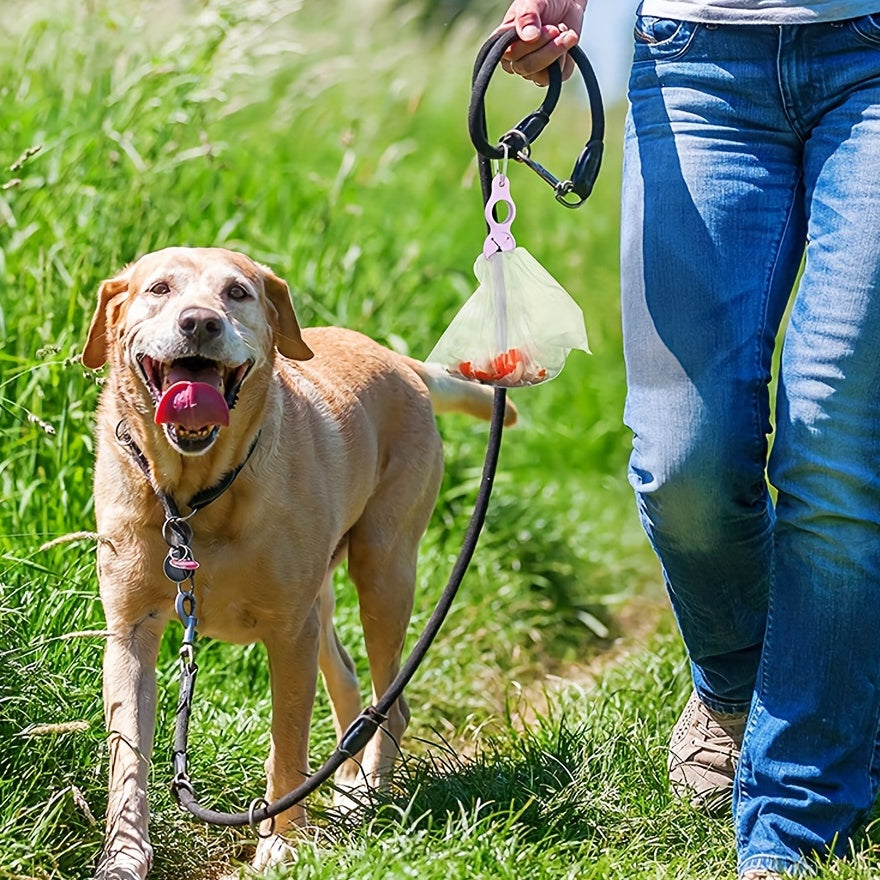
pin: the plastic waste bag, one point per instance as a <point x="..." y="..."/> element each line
<point x="519" y="325"/>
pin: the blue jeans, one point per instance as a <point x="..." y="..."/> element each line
<point x="748" y="148"/>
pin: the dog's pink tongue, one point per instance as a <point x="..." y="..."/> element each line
<point x="193" y="405"/>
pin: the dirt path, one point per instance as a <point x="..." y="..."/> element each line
<point x="522" y="700"/>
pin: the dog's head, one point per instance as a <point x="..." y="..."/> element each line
<point x="191" y="324"/>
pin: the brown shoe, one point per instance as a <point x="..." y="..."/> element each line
<point x="703" y="752"/>
<point x="761" y="874"/>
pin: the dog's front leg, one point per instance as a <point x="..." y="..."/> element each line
<point x="130" y="713"/>
<point x="293" y="667"/>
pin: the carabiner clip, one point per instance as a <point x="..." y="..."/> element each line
<point x="582" y="179"/>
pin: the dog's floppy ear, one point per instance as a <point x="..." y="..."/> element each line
<point x="288" y="337"/>
<point x="95" y="352"/>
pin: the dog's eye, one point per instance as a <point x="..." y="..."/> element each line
<point x="237" y="291"/>
<point x="160" y="288"/>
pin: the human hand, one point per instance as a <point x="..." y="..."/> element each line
<point x="547" y="29"/>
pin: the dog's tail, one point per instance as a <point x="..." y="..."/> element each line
<point x="449" y="394"/>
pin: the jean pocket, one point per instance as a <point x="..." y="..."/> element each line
<point x="661" y="39"/>
<point x="867" y="28"/>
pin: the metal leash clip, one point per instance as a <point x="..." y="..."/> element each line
<point x="185" y="606"/>
<point x="519" y="139"/>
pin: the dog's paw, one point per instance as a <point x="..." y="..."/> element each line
<point x="352" y="801"/>
<point x="273" y="850"/>
<point x="277" y="850"/>
<point x="350" y="807"/>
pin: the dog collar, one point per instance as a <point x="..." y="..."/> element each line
<point x="202" y="498"/>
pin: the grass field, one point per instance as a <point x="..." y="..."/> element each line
<point x="330" y="143"/>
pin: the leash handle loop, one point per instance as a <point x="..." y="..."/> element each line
<point x="522" y="134"/>
<point x="520" y="138"/>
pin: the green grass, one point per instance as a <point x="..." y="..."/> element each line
<point x="337" y="153"/>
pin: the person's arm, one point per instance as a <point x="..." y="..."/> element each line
<point x="547" y="29"/>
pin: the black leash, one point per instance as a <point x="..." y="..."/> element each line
<point x="517" y="141"/>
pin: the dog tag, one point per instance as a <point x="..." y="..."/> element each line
<point x="178" y="570"/>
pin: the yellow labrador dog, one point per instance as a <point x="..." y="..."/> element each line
<point x="339" y="457"/>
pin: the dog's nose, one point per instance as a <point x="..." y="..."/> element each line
<point x="199" y="324"/>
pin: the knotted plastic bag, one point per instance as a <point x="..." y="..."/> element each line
<point x="519" y="325"/>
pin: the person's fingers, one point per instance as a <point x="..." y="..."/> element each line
<point x="528" y="25"/>
<point x="533" y="65"/>
<point x="518" y="49"/>
<point x="525" y="21"/>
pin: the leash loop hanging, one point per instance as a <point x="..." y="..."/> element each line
<point x="576" y="189"/>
